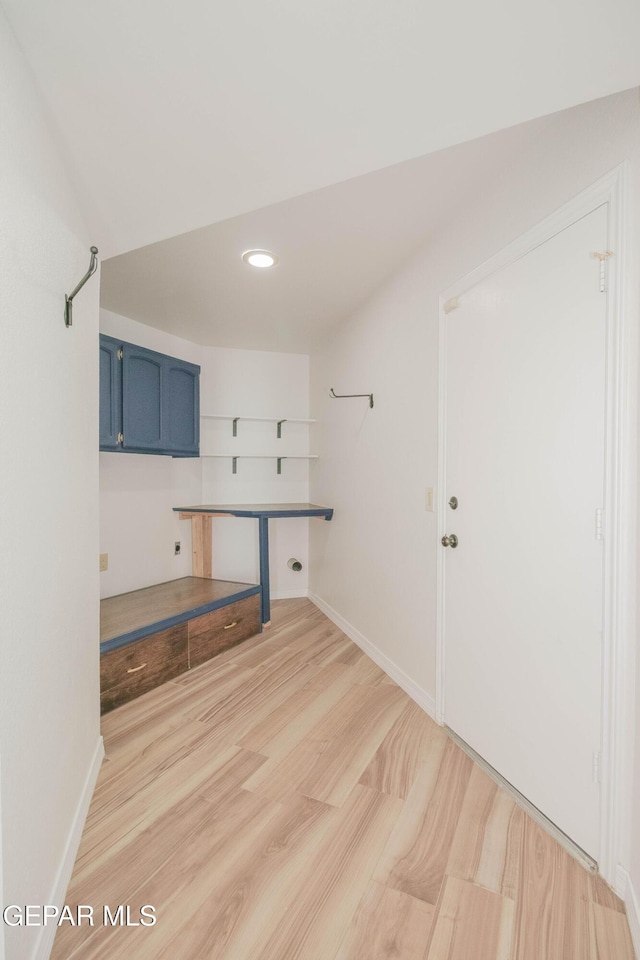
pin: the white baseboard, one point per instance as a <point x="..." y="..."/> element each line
<point x="410" y="687"/>
<point x="632" y="904"/>
<point x="290" y="595"/>
<point x="44" y="944"/>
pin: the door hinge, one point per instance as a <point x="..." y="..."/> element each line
<point x="603" y="257"/>
<point x="120" y="353"/>
<point x="120" y="438"/>
<point x="599" y="524"/>
<point x="595" y="769"/>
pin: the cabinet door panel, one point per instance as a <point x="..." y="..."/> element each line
<point x="142" y="386"/>
<point x="181" y="407"/>
<point x="110" y="394"/>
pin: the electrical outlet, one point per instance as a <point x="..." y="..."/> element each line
<point x="104" y="562"/>
<point x="428" y="500"/>
<point x="176" y="548"/>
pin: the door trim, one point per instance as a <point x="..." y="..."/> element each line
<point x="618" y="690"/>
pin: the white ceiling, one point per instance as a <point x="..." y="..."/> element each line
<point x="175" y="115"/>
<point x="336" y="245"/>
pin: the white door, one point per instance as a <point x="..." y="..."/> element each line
<point x="523" y="595"/>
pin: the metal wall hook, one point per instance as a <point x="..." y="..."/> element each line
<point x="343" y="396"/>
<point x="68" y="300"/>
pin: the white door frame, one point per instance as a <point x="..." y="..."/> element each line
<point x="618" y="646"/>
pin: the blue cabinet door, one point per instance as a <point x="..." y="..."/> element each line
<point x="142" y="393"/>
<point x="181" y="407"/>
<point x="110" y="394"/>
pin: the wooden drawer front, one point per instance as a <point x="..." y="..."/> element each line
<point x="223" y="628"/>
<point x="133" y="670"/>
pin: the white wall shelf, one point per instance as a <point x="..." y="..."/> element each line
<point x="234" y="420"/>
<point x="257" y="456"/>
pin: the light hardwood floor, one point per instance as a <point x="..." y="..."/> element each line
<point x="287" y="801"/>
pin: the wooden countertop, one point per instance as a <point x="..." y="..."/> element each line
<point x="131" y="616"/>
<point x="259" y="510"/>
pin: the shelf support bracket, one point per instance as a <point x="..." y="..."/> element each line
<point x="279" y="432"/>
<point x="280" y="459"/>
<point x="235" y="428"/>
<point x="234" y="464"/>
<point x="68" y="299"/>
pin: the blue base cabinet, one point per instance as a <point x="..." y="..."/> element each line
<point x="149" y="402"/>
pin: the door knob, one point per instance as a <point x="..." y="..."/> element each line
<point x="450" y="541"/>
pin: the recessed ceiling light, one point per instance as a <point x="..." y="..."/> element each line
<point x="260" y="258"/>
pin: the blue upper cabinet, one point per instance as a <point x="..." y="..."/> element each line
<point x="160" y="402"/>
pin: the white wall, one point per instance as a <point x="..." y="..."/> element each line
<point x="49" y="687"/>
<point x="375" y="563"/>
<point x="137" y="492"/>
<point x="260" y="384"/>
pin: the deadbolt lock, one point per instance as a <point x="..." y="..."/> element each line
<point x="453" y="503"/>
<point x="450" y="541"/>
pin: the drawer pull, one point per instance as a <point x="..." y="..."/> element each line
<point x="135" y="669"/>
<point x="229" y="625"/>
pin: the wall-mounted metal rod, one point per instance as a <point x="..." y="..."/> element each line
<point x="68" y="300"/>
<point x="343" y="396"/>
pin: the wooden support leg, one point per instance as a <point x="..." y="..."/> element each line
<point x="201" y="546"/>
